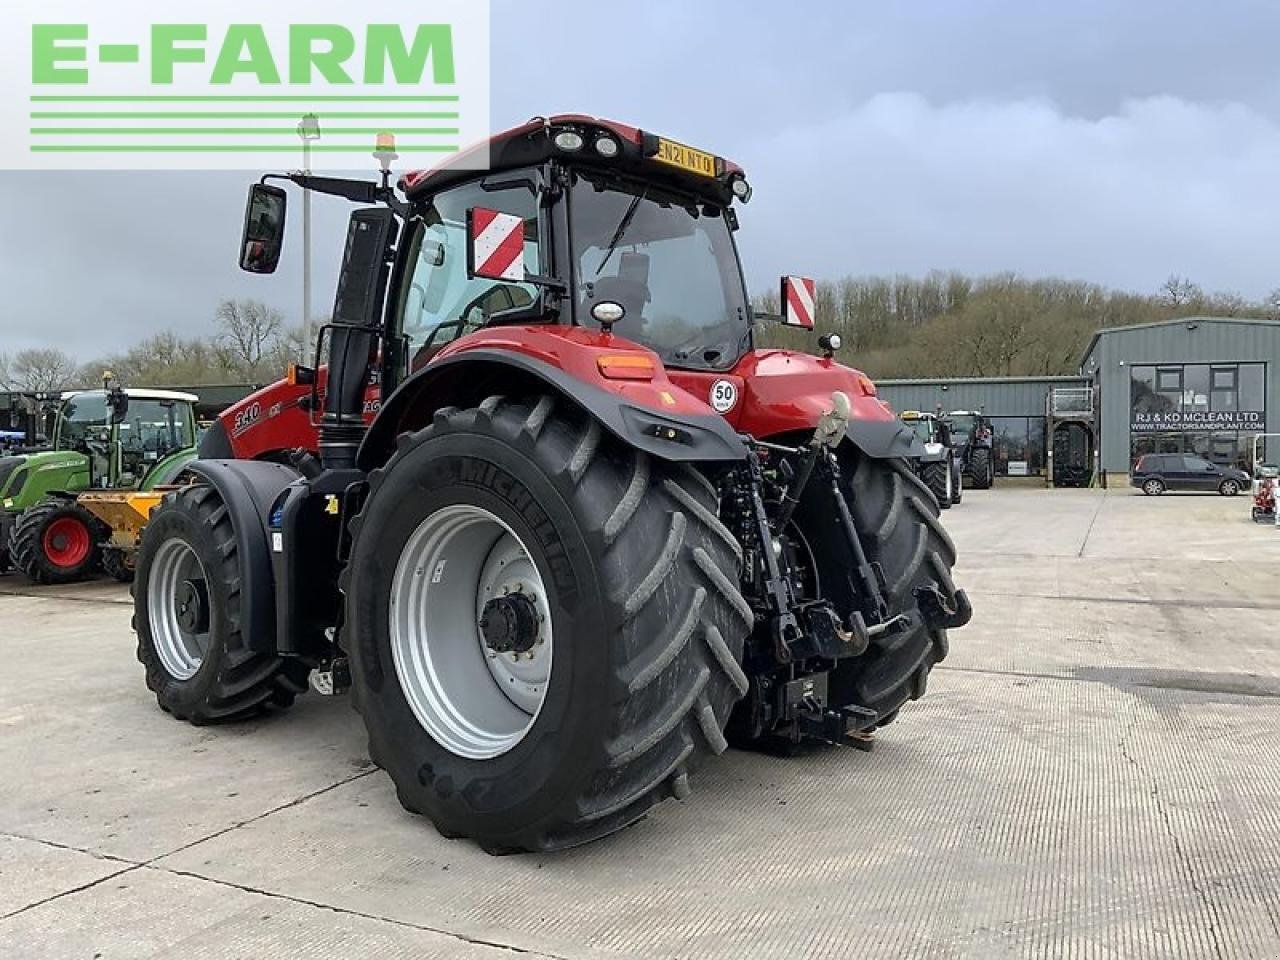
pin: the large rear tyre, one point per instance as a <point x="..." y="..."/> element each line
<point x="937" y="478"/>
<point x="55" y="541"/>
<point x="897" y="523"/>
<point x="544" y="625"/>
<point x="186" y="601"/>
<point x="980" y="470"/>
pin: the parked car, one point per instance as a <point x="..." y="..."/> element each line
<point x="1157" y="472"/>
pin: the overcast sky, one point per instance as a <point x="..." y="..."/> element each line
<point x="1102" y="141"/>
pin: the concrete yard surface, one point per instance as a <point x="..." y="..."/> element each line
<point x="1094" y="773"/>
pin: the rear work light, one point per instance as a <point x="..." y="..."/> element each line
<point x="630" y="366"/>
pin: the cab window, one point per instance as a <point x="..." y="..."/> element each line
<point x="438" y="303"/>
<point x="84" y="417"/>
<point x="154" y="428"/>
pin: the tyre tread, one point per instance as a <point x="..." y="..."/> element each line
<point x="679" y="616"/>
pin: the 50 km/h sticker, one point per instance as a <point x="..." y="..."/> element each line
<point x="724" y="396"/>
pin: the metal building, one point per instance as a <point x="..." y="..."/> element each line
<point x="1196" y="385"/>
<point x="1199" y="385"/>
<point x="1018" y="408"/>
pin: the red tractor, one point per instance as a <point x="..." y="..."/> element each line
<point x="590" y="537"/>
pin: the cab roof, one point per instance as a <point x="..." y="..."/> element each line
<point x="134" y="394"/>
<point x="532" y="142"/>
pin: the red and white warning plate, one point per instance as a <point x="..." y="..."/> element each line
<point x="797" y="301"/>
<point x="497" y="243"/>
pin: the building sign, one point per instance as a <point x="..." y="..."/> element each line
<point x="1174" y="421"/>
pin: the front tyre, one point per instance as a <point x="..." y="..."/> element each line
<point x="937" y="477"/>
<point x="980" y="469"/>
<point x="186" y="601"/>
<point x="544" y="625"/>
<point x="1229" y="488"/>
<point x="55" y="541"/>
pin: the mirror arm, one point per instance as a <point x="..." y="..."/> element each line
<point x="357" y="191"/>
<point x="547" y="283"/>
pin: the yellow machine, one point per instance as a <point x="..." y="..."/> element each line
<point x="126" y="512"/>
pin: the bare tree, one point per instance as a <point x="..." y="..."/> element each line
<point x="247" y="329"/>
<point x="45" y="369"/>
<point x="290" y="345"/>
<point x="1271" y="305"/>
<point x="1227" y="304"/>
<point x="1179" y="292"/>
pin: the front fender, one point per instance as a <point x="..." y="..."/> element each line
<point x="466" y="378"/>
<point x="248" y="489"/>
<point x="784" y="392"/>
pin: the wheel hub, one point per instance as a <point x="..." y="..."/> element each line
<point x="178" y="608"/>
<point x="471" y="631"/>
<point x="509" y="624"/>
<point x="191" y="606"/>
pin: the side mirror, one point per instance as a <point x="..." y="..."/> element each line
<point x="118" y="401"/>
<point x="495" y="245"/>
<point x="263" y="236"/>
<point x="797" y="299"/>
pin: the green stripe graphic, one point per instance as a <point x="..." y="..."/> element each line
<point x="235" y="131"/>
<point x="227" y="148"/>
<point x="187" y="115"/>
<point x="380" y="98"/>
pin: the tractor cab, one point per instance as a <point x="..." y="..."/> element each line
<point x="932" y="430"/>
<point x="124" y="434"/>
<point x="576" y="222"/>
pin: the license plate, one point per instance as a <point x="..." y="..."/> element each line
<point x="686" y="158"/>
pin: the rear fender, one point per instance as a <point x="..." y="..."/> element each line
<point x="466" y="378"/>
<point x="249" y="489"/>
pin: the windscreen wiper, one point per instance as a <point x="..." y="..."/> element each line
<point x="622" y="228"/>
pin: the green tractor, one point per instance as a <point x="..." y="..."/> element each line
<point x="973" y="439"/>
<point x="939" y="465"/>
<point x="103" y="440"/>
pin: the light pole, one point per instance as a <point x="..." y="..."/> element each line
<point x="308" y="130"/>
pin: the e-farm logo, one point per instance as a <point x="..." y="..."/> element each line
<point x="211" y="87"/>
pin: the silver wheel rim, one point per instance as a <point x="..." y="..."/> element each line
<point x="473" y="701"/>
<point x="181" y="649"/>
<point x="1153" y="487"/>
